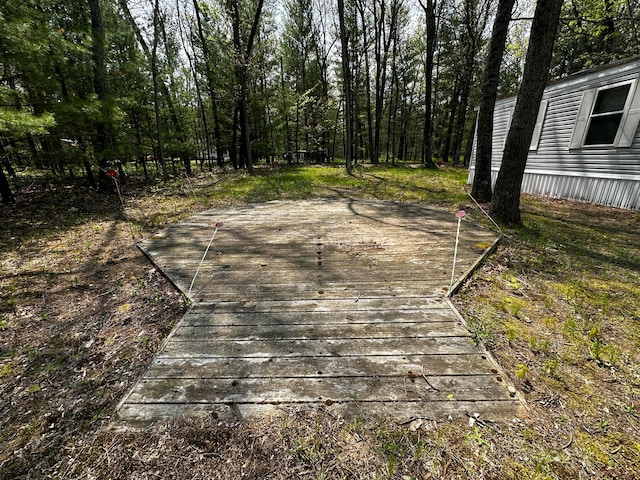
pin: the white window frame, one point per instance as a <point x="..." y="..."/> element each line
<point x="628" y="123"/>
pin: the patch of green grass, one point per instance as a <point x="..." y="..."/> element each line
<point x="7" y="369"/>
<point x="483" y="331"/>
<point x="512" y="305"/>
<point x="382" y="182"/>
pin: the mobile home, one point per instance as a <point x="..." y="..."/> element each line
<point x="586" y="142"/>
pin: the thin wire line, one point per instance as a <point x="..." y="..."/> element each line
<point x="486" y="214"/>
<point x="218" y="225"/>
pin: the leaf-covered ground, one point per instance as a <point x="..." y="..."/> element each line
<point x="82" y="312"/>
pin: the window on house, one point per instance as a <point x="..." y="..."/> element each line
<point x="607" y="115"/>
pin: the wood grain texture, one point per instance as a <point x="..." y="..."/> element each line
<point x="338" y="304"/>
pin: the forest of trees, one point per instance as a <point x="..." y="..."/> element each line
<point x="172" y="85"/>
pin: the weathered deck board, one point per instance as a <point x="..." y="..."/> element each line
<point x="332" y="303"/>
<point x="402" y="411"/>
<point x="302" y="331"/>
<point x="323" y="347"/>
<point x="293" y="291"/>
<point x="375" y="304"/>
<point x="337" y="389"/>
<point x="410" y="366"/>
<point x="311" y="319"/>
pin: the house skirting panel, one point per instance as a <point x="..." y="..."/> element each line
<point x="619" y="193"/>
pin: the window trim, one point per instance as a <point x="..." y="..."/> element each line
<point x="537" y="129"/>
<point x="594" y="116"/>
<point x="628" y="122"/>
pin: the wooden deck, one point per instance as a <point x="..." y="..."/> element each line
<point x="334" y="303"/>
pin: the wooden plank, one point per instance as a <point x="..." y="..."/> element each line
<point x="304" y="331"/>
<point x="408" y="265"/>
<point x="318" y="232"/>
<point x="304" y="302"/>
<point x="413" y="366"/>
<point x="327" y="225"/>
<point x="306" y="276"/>
<point x="189" y="252"/>
<point x="189" y="257"/>
<point x="340" y="389"/>
<point x="401" y="412"/>
<point x="213" y="292"/>
<point x="326" y="215"/>
<point x="230" y="275"/>
<point x="302" y="211"/>
<point x="327" y="305"/>
<point x="264" y="262"/>
<point x="416" y="286"/>
<point x="234" y="283"/>
<point x="199" y="318"/>
<point x="320" y="347"/>
<point x="231" y="284"/>
<point x="303" y="237"/>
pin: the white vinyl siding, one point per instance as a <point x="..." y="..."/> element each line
<point x="560" y="166"/>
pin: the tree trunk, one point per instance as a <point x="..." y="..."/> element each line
<point x="393" y="102"/>
<point x="427" y="147"/>
<point x="233" y="147"/>
<point x="384" y="40"/>
<point x="177" y="121"/>
<point x="242" y="56"/>
<point x="346" y="78"/>
<point x="296" y="129"/>
<point x="453" y="111"/>
<point x="203" y="114"/>
<point x="481" y="190"/>
<point x="159" y="85"/>
<point x="5" y="188"/>
<point x="475" y="20"/>
<point x="103" y="127"/>
<point x="91" y="180"/>
<point x="156" y="99"/>
<point x="469" y="145"/>
<point x="467" y="79"/>
<point x="287" y="131"/>
<point x="322" y="64"/>
<point x="210" y="85"/>
<point x="367" y="82"/>
<point x="505" y="205"/>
